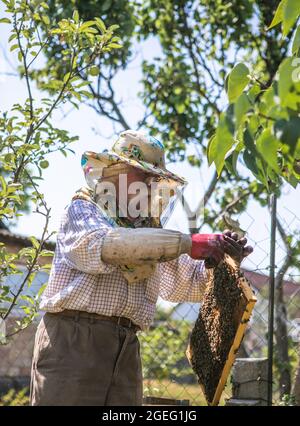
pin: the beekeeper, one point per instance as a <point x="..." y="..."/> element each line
<point x="112" y="261"/>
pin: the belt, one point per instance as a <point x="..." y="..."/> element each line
<point x="123" y="321"/>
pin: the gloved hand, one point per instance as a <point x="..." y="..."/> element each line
<point x="212" y="247"/>
<point x="207" y="246"/>
<point x="236" y="247"/>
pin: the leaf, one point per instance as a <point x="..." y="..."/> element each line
<point x="112" y="28"/>
<point x="291" y="12"/>
<point x="220" y="144"/>
<point x="46" y="19"/>
<point x="100" y="24"/>
<point x="296" y="41"/>
<point x="86" y="25"/>
<point x="285" y="79"/>
<point x="288" y="131"/>
<point x="66" y="77"/>
<point x="250" y="162"/>
<point x="238" y="79"/>
<point x="5" y="21"/>
<point x="231" y="163"/>
<point x="106" y="5"/>
<point x="94" y="71"/>
<point x="278" y="17"/>
<point x="241" y="107"/>
<point x="75" y="16"/>
<point x="114" y="46"/>
<point x="210" y="142"/>
<point x="3" y="183"/>
<point x="45" y="253"/>
<point x="180" y="107"/>
<point x="44" y="164"/>
<point x="268" y="145"/>
<point x="41" y="290"/>
<point x="14" y="47"/>
<point x="35" y="242"/>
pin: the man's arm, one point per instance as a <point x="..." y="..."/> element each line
<point x="184" y="279"/>
<point x="83" y="238"/>
<point x="124" y="246"/>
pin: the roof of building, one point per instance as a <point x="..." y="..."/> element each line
<point x="7" y="236"/>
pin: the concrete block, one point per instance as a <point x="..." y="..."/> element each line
<point x="249" y="378"/>
<point x="232" y="402"/>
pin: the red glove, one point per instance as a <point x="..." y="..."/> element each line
<point x="205" y="246"/>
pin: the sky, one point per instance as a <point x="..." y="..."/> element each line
<point x="64" y="175"/>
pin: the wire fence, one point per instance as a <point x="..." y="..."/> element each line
<point x="166" y="370"/>
<point x="173" y="377"/>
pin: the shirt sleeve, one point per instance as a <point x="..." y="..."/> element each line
<point x="183" y="279"/>
<point x="142" y="245"/>
<point x="84" y="231"/>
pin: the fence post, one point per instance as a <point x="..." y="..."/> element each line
<point x="249" y="382"/>
<point x="271" y="297"/>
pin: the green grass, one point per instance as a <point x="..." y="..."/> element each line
<point x="169" y="389"/>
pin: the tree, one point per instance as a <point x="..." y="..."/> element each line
<point x="27" y="136"/>
<point x="205" y="46"/>
<point x="270" y="147"/>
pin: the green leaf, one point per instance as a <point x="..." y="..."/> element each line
<point x="285" y="82"/>
<point x="209" y="144"/>
<point x="106" y="5"/>
<point x="268" y="145"/>
<point x="288" y="131"/>
<point x="35" y="242"/>
<point x="5" y="21"/>
<point x="238" y="79"/>
<point x="250" y="162"/>
<point x="114" y="46"/>
<point x="278" y="17"/>
<point x="100" y="24"/>
<point x="296" y="41"/>
<point x="180" y="107"/>
<point x="75" y="16"/>
<point x="112" y="28"/>
<point x="46" y="19"/>
<point x="44" y="164"/>
<point x="86" y="25"/>
<point x="241" y="107"/>
<point x="14" y="47"/>
<point x="94" y="71"/>
<point x="41" y="290"/>
<point x="220" y="144"/>
<point x="66" y="77"/>
<point x="291" y="12"/>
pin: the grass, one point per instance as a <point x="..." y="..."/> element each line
<point x="169" y="389"/>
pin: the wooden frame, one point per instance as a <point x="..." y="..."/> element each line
<point x="250" y="299"/>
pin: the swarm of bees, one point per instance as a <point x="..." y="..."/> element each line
<point x="219" y="328"/>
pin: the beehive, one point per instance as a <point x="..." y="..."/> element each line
<point x="219" y="329"/>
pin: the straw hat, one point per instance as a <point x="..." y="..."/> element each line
<point x="134" y="148"/>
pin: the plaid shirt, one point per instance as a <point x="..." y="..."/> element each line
<point x="80" y="280"/>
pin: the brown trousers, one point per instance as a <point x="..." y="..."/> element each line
<point x="85" y="361"/>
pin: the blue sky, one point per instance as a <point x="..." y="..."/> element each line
<point x="64" y="176"/>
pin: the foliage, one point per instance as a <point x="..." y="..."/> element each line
<point x="15" y="398"/>
<point x="200" y="43"/>
<point x="204" y="47"/>
<point x="27" y="135"/>
<point x="170" y="342"/>
<point x="287" y="401"/>
<point x="262" y="123"/>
